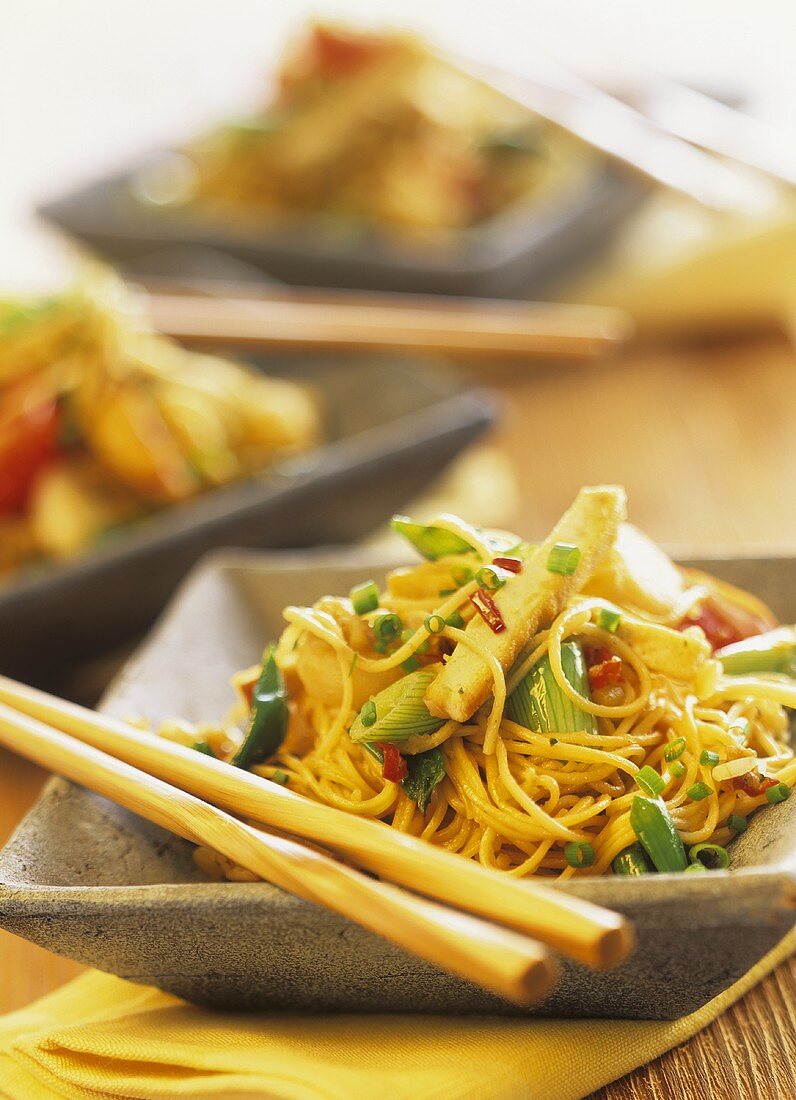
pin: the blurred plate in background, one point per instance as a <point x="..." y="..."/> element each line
<point x="391" y="427"/>
<point x="517" y="253"/>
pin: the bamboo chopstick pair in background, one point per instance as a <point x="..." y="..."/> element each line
<point x="488" y="928"/>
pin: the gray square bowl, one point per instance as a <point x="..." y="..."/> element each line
<point x="99" y="885"/>
<point x="391" y="425"/>
<point x="517" y="252"/>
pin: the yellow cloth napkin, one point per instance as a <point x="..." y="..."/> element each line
<point x="103" y="1037"/>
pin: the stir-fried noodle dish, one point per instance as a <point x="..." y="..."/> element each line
<point x="579" y="706"/>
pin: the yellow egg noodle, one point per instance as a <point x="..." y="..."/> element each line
<point x="657" y="714"/>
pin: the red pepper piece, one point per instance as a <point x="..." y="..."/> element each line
<point x="488" y="610"/>
<point x="394" y="766"/>
<point x="605" y="673"/>
<point x="724" y="623"/>
<point x="511" y="565"/>
<point x="753" y="784"/>
<point x="28" y="442"/>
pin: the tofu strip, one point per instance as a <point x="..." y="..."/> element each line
<point x="528" y="601"/>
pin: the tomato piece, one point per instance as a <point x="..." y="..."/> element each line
<point x="723" y="622"/>
<point x="753" y="784"/>
<point x="336" y="53"/>
<point x="29" y="431"/>
<point x="606" y="672"/>
<point x="394" y="766"/>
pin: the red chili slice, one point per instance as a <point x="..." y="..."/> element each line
<point x="488" y="610"/>
<point x="394" y="766"/>
<point x="605" y="673"/>
<point x="512" y="565"/>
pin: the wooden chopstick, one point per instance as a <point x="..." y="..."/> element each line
<point x="499" y="960"/>
<point x="578" y="929"/>
<point x="316" y="320"/>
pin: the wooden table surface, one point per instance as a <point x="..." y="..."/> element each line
<point x="705" y="441"/>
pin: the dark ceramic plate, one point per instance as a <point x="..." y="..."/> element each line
<point x="518" y="252"/>
<point x="96" y="883"/>
<point x="391" y="427"/>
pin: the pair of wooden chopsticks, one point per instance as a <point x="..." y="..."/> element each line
<point x="489" y="935"/>
<point x="247" y="317"/>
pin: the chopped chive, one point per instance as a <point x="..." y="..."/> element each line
<point x="490" y="578"/>
<point x="678" y="769"/>
<point x="364" y="597"/>
<point x="411" y="664"/>
<point x="563" y="559"/>
<point x="368" y="713"/>
<point x="579" y="854"/>
<point x="388" y="627"/>
<point x="778" y="793"/>
<point x="435" y="624"/>
<point x="280" y="777"/>
<point x="712" y="856"/>
<point x="708" y="758"/>
<point x="650" y="781"/>
<point x="674" y="749"/>
<point x="609" y="620"/>
<point x="447" y="591"/>
<point x="455" y="620"/>
<point x="692" y="867"/>
<point x="736" y="823"/>
<point x="698" y="791"/>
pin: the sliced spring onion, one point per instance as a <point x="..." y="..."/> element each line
<point x="579" y="854"/>
<point x="609" y="620"/>
<point x="674" y="749"/>
<point x="650" y="781"/>
<point x="563" y="559"/>
<point x="632" y="861"/>
<point x="203" y="747"/>
<point x="368" y="713"/>
<point x="491" y="577"/>
<point x="652" y="823"/>
<point x="712" y="856"/>
<point x="387" y="627"/>
<point x="280" y="777"/>
<point x="364" y="597"/>
<point x="461" y="575"/>
<point x="778" y="793"/>
<point x="455" y="620"/>
<point x="268" y="717"/>
<point x="708" y="759"/>
<point x="736" y="823"/>
<point x="435" y="624"/>
<point x="411" y="664"/>
<point x="431" y="542"/>
<point x="695" y="867"/>
<point x="400" y="711"/>
<point x="698" y="791"/>
<point x="539" y="704"/>
<point x="774" y="651"/>
<point x="678" y="769"/>
<point x="407" y="635"/>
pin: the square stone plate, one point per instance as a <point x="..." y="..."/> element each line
<point x="100" y="885"/>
